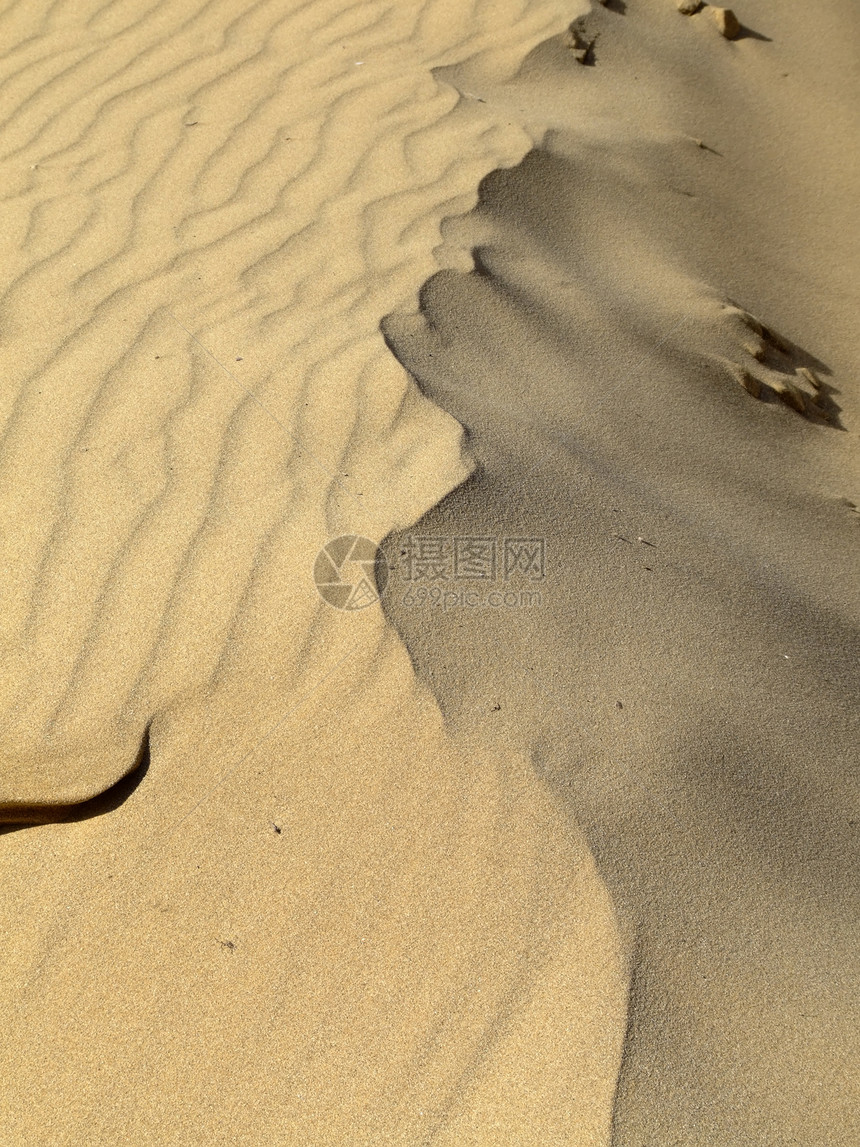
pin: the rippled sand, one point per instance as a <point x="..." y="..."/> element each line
<point x="314" y="919"/>
<point x="279" y="272"/>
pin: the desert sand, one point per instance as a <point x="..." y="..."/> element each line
<point x="573" y="864"/>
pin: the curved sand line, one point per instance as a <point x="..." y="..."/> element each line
<point x="686" y="675"/>
<point x="208" y="210"/>
<point x="313" y="919"/>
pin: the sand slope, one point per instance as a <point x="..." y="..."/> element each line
<point x="208" y="210"/>
<point x="308" y="917"/>
<point x="362" y="937"/>
<point x="342" y="901"/>
<point x="689" y="681"/>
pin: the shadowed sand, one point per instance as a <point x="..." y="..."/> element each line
<point x="310" y="917"/>
<point x="688" y="680"/>
<point x="277" y="872"/>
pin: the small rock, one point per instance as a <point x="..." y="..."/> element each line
<point x="689" y="7"/>
<point x="579" y="45"/>
<point x="748" y="381"/>
<point x="811" y="377"/>
<point x="727" y="23"/>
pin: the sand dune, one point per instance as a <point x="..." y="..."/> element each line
<point x="285" y="872"/>
<point x="308" y="917"/>
<point x="688" y="679"/>
<point x="208" y="211"/>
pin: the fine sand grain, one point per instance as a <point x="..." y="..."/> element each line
<point x="688" y="680"/>
<point x="570" y="869"/>
<point x="308" y="916"/>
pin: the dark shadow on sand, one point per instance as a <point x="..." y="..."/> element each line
<point x="108" y="801"/>
<point x="749" y="34"/>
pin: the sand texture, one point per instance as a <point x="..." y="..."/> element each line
<point x="575" y="865"/>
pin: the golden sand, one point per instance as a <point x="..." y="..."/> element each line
<point x="564" y="874"/>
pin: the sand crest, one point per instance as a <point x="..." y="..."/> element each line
<point x="569" y="296"/>
<point x="307" y="916"/>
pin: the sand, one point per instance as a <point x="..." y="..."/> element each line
<point x="571" y="868"/>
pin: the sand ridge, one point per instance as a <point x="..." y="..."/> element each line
<point x="687" y="683"/>
<point x="345" y="897"/>
<point x="308" y="916"/>
<point x="209" y="210"/>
